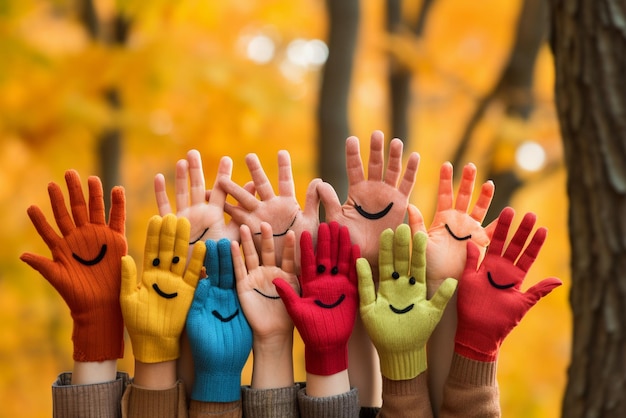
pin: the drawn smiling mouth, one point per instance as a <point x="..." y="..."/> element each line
<point x="373" y="216"/>
<point x="498" y="286"/>
<point x="332" y="305"/>
<point x="264" y="295"/>
<point x="225" y="319"/>
<point x="99" y="257"/>
<point x="401" y="311"/>
<point x="200" y="236"/>
<point x="162" y="293"/>
<point x="280" y="234"/>
<point x="456" y="237"/>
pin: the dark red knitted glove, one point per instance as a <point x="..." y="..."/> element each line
<point x="86" y="264"/>
<point x="490" y="302"/>
<point x="325" y="313"/>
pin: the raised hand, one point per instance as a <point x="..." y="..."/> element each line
<point x="204" y="209"/>
<point x="281" y="211"/>
<point x="490" y="301"/>
<point x="326" y="311"/>
<point x="272" y="327"/>
<point x="376" y="203"/>
<point x="155" y="308"/>
<point x="85" y="266"/>
<point x="400" y="318"/>
<point x="218" y="331"/>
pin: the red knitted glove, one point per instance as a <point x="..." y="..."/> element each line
<point x="86" y="264"/>
<point x="490" y="302"/>
<point x="325" y="314"/>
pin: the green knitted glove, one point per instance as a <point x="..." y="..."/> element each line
<point x="399" y="319"/>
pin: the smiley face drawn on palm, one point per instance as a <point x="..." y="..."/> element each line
<point x="258" y="296"/>
<point x="453" y="225"/>
<point x="204" y="209"/>
<point x="282" y="212"/>
<point x="376" y="203"/>
<point x="86" y="259"/>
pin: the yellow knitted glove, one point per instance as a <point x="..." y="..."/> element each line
<point x="155" y="309"/>
<point x="399" y="319"/>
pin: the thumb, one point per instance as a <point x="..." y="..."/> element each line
<point x="287" y="294"/>
<point x="444" y="293"/>
<point x="129" y="275"/>
<point x="542" y="288"/>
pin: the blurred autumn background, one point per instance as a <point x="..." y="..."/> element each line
<point x="123" y="90"/>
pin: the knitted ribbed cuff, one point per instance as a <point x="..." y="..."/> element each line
<point x="217" y="387"/>
<point x="99" y="400"/>
<point x="477" y="373"/>
<point x="270" y="403"/>
<point x="155" y="349"/>
<point x="403" y="366"/>
<point x="98" y="335"/>
<point x="325" y="363"/>
<point x="343" y="405"/>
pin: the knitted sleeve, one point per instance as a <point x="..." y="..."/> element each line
<point x="406" y="398"/>
<point x="345" y="405"/>
<point x="471" y="389"/>
<point x="270" y="403"/>
<point x="88" y="401"/>
<point x="167" y="403"/>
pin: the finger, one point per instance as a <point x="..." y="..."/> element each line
<point x="288" y="264"/>
<point x="224" y="170"/>
<point x="129" y="276"/>
<point x="541" y="289"/>
<point x="519" y="238"/>
<point x="402" y="249"/>
<point x="324" y="243"/>
<point x="418" y="257"/>
<point x="152" y="247"/>
<point x="117" y="214"/>
<point x="181" y="187"/>
<point x="194" y="267"/>
<point x="445" y="194"/>
<point x="531" y="252"/>
<point x="385" y="254"/>
<point x="44" y="229"/>
<point x="408" y="180"/>
<point x="343" y="251"/>
<point x="180" y="246"/>
<point x="160" y="193"/>
<point x="472" y="258"/>
<point x="501" y="231"/>
<point x="375" y="164"/>
<point x="227" y="278"/>
<point x="466" y="188"/>
<point x="201" y="294"/>
<point x="77" y="199"/>
<point x="261" y="182"/>
<point x="211" y="263"/>
<point x="307" y="256"/>
<point x="288" y="295"/>
<point x="286" y="186"/>
<point x="46" y="267"/>
<point x="355" y="254"/>
<point x="484" y="201"/>
<point x="367" y="290"/>
<point x="416" y="220"/>
<point x="249" y="250"/>
<point x="239" y="266"/>
<point x="244" y="198"/>
<point x="96" y="201"/>
<point x="394" y="163"/>
<point x="268" y="255"/>
<point x="197" y="190"/>
<point x="312" y="200"/>
<point x="330" y="200"/>
<point x="444" y="293"/>
<point x="354" y="165"/>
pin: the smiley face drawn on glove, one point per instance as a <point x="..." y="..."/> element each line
<point x="373" y="216"/>
<point x="225" y="318"/>
<point x="321" y="269"/>
<point x="396" y="276"/>
<point x="156" y="287"/>
<point x="497" y="285"/>
<point x="93" y="261"/>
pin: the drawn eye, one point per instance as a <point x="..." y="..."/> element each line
<point x="334" y="270"/>
<point x="93" y="261"/>
<point x="156" y="262"/>
<point x="321" y="268"/>
<point x="176" y="259"/>
<point x="373" y="216"/>
<point x="395" y="275"/>
<point x="412" y="281"/>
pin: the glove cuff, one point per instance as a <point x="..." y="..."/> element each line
<point x="403" y="365"/>
<point x="475" y="354"/>
<point x="98" y="335"/>
<point x="216" y="387"/>
<point x="325" y="362"/>
<point x="155" y="349"/>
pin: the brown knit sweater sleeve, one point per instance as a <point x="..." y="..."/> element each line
<point x="100" y="400"/>
<point x="406" y="398"/>
<point x="471" y="390"/>
<point x="168" y="403"/>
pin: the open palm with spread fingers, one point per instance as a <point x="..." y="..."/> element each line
<point x="374" y="203"/>
<point x="204" y="209"/>
<point x="281" y="211"/>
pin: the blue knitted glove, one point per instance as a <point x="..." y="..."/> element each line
<point x="219" y="334"/>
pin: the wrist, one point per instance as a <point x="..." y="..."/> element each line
<point x="86" y="373"/>
<point x="272" y="365"/>
<point x="98" y="336"/>
<point x="320" y="386"/>
<point x="156" y="376"/>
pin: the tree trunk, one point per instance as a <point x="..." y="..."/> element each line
<point x="589" y="43"/>
<point x="333" y="108"/>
